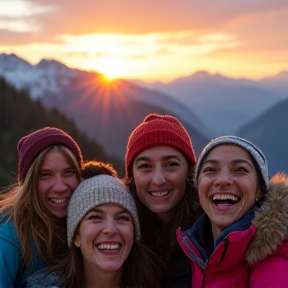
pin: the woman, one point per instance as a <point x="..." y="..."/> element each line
<point x="159" y="166"/>
<point x="33" y="211"/>
<point x="240" y="240"/>
<point x="103" y="236"/>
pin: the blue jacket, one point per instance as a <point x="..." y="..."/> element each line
<point x="11" y="255"/>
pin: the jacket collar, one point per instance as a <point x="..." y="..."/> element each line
<point x="271" y="221"/>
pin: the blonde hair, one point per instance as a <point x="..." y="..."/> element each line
<point x="22" y="205"/>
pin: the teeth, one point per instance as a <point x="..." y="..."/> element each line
<point x="114" y="246"/>
<point x="225" y="197"/>
<point x="58" y="201"/>
<point x="160" y="193"/>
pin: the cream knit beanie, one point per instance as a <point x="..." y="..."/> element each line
<point x="100" y="189"/>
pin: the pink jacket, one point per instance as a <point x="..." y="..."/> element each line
<point x="246" y="254"/>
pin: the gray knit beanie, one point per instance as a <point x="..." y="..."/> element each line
<point x="252" y="149"/>
<point x="94" y="191"/>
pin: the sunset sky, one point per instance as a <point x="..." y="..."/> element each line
<point x="151" y="40"/>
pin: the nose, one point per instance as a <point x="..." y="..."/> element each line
<point x="223" y="178"/>
<point x="110" y="226"/>
<point x="159" y="177"/>
<point x="60" y="185"/>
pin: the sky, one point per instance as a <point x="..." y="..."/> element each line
<point x="150" y="40"/>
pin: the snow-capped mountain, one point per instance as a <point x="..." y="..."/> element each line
<point x="98" y="108"/>
<point x="46" y="76"/>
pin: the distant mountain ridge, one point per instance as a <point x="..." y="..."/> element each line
<point x="105" y="112"/>
<point x="224" y="104"/>
<point x="270" y="132"/>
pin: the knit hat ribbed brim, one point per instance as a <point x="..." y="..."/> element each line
<point x="251" y="148"/>
<point x="94" y="191"/>
<point x="32" y="144"/>
<point x="158" y="130"/>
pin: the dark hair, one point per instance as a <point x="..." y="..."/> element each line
<point x="142" y="268"/>
<point x="93" y="168"/>
<point x="163" y="239"/>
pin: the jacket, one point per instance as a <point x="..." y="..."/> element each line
<point x="253" y="252"/>
<point x="11" y="275"/>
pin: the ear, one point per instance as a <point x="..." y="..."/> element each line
<point x="259" y="193"/>
<point x="76" y="239"/>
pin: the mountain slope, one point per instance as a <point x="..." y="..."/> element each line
<point x="270" y="132"/>
<point x="19" y="115"/>
<point x="106" y="111"/>
<point x="224" y="104"/>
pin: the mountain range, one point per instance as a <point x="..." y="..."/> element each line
<point x="106" y="111"/>
<point x="208" y="105"/>
<point x="224" y="104"/>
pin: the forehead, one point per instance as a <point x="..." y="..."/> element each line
<point x="229" y="152"/>
<point x="159" y="152"/>
<point x="108" y="207"/>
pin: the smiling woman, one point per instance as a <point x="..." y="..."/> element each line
<point x="33" y="211"/>
<point x="104" y="239"/>
<point x="241" y="239"/>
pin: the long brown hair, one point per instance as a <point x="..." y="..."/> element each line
<point x="142" y="268"/>
<point x="21" y="203"/>
<point x="163" y="239"/>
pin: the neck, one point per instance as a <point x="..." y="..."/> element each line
<point x="165" y="218"/>
<point x="102" y="279"/>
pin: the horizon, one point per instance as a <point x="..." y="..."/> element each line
<point x="148" y="41"/>
<point x="156" y="81"/>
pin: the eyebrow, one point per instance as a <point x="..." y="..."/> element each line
<point x="166" y="157"/>
<point x="236" y="161"/>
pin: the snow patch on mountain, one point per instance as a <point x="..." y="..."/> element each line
<point x="47" y="76"/>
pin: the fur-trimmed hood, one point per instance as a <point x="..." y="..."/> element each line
<point x="271" y="221"/>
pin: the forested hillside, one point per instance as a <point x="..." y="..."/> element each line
<point x="20" y="115"/>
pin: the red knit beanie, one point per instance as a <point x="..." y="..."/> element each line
<point x="32" y="144"/>
<point x="158" y="130"/>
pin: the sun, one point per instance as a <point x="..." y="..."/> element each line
<point x="110" y="75"/>
<point x="112" y="68"/>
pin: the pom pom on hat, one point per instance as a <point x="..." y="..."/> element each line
<point x="94" y="191"/>
<point x="32" y="144"/>
<point x="158" y="130"/>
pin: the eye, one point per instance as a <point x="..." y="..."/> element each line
<point x="94" y="216"/>
<point x="124" y="217"/>
<point x="144" y="167"/>
<point x="209" y="169"/>
<point x="45" y="174"/>
<point x="69" y="172"/>
<point x="173" y="164"/>
<point x="241" y="169"/>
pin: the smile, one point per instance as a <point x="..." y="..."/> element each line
<point x="225" y="199"/>
<point x="59" y="200"/>
<point x="109" y="246"/>
<point x="160" y="193"/>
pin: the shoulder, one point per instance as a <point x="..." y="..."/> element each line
<point x="8" y="233"/>
<point x="43" y="278"/>
<point x="269" y="272"/>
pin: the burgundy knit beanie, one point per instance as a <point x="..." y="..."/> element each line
<point x="32" y="144"/>
<point x="158" y="130"/>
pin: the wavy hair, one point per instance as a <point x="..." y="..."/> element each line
<point x="22" y="205"/>
<point x="142" y="268"/>
<point x="163" y="239"/>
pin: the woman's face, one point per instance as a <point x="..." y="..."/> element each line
<point x="160" y="175"/>
<point x="57" y="182"/>
<point x="227" y="186"/>
<point x="105" y="237"/>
